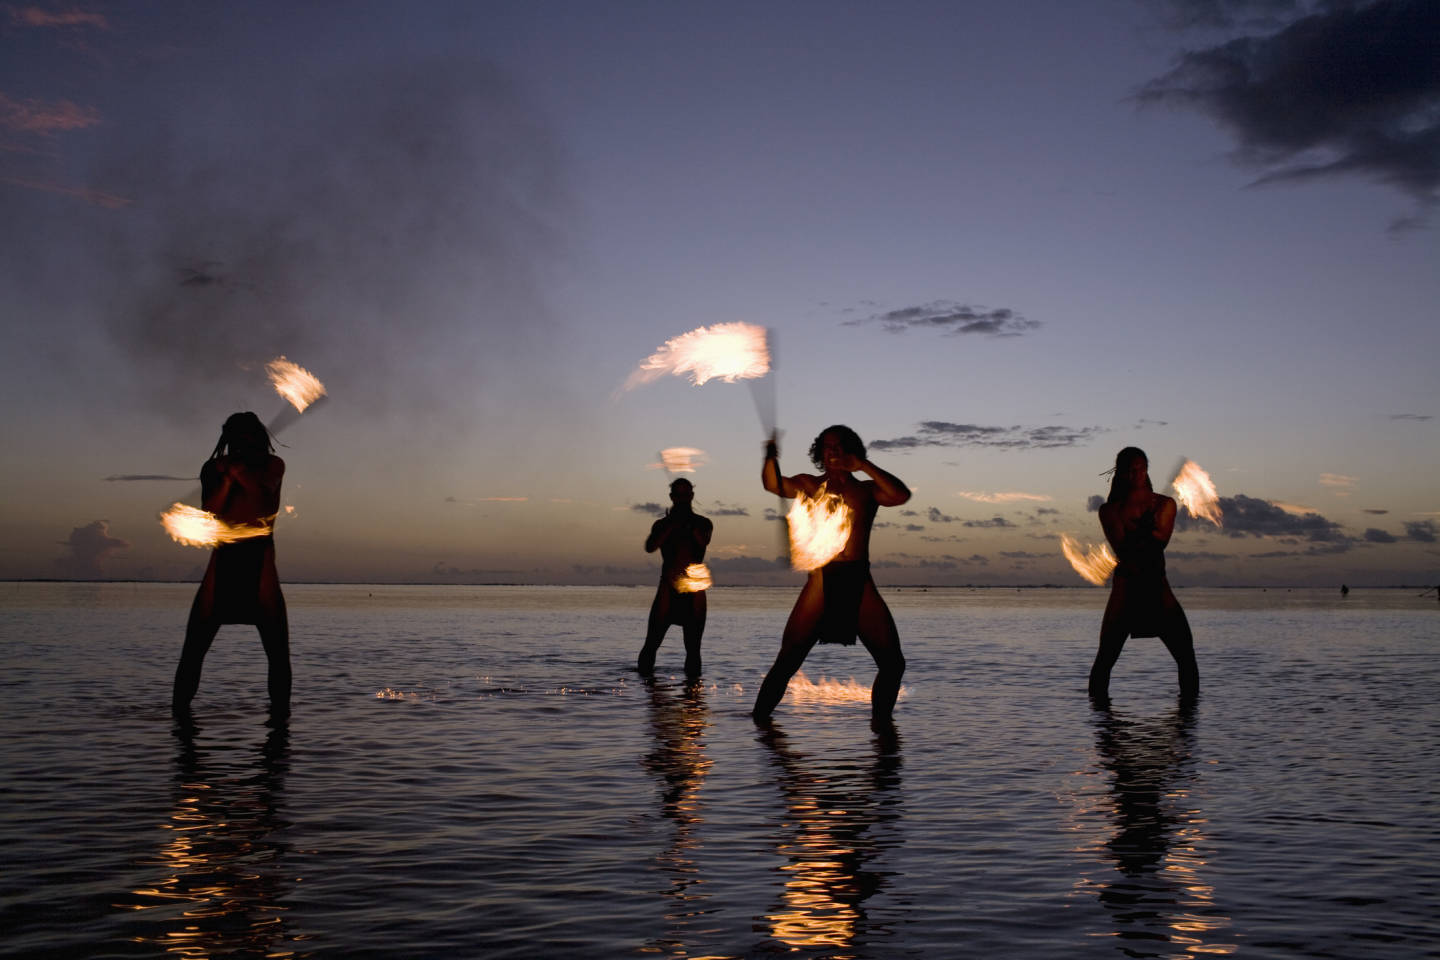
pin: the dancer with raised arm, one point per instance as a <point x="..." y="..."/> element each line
<point x="839" y="600"/>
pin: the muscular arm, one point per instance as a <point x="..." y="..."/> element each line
<point x="889" y="490"/>
<point x="779" y="484"/>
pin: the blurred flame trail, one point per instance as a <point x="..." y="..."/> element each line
<point x="1094" y="564"/>
<point x="194" y="527"/>
<point x="301" y="388"/>
<point x="680" y="460"/>
<point x="725" y="351"/>
<point x="819" y="529"/>
<point x="695" y="579"/>
<point x="1196" y="492"/>
<point x="803" y="690"/>
<point x="294" y="383"/>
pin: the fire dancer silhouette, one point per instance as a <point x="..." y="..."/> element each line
<point x="1138" y="522"/>
<point x="240" y="484"/>
<point x="681" y="536"/>
<point x="839" y="599"/>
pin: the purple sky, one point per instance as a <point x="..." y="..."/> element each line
<point x="1001" y="240"/>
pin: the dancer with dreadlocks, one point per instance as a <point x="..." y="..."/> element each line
<point x="1138" y="522"/>
<point x="240" y="484"/>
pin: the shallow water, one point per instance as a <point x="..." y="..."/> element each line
<point x="475" y="771"/>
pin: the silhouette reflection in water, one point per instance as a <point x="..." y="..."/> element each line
<point x="840" y="819"/>
<point x="1161" y="904"/>
<point x="221" y="873"/>
<point x="678" y="719"/>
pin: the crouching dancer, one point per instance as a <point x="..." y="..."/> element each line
<point x="839" y="600"/>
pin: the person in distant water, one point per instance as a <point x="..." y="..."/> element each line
<point x="681" y="536"/>
<point x="240" y="484"/>
<point x="839" y="600"/>
<point x="1138" y="522"/>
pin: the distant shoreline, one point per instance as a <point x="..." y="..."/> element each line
<point x="736" y="586"/>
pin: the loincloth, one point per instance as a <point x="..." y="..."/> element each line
<point x="676" y="608"/>
<point x="1144" y="613"/>
<point x="238" y="571"/>
<point x="843" y="583"/>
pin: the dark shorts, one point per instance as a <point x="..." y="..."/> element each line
<point x="843" y="582"/>
<point x="1144" y="613"/>
<point x="238" y="569"/>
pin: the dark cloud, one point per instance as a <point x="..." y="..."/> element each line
<point x="1378" y="513"/>
<point x="1043" y="511"/>
<point x="87" y="550"/>
<point x="1197" y="555"/>
<point x="992" y="522"/>
<point x="952" y="318"/>
<point x="772" y="515"/>
<point x="654" y="509"/>
<point x="1142" y="423"/>
<point x="939" y="433"/>
<point x="1249" y="516"/>
<point x="937" y="517"/>
<point x="1376" y="535"/>
<point x="914" y="527"/>
<point x="1337" y="89"/>
<point x="1411" y="416"/>
<point x="1424" y="531"/>
<point x="1094" y="503"/>
<point x="720" y="510"/>
<point x="1024" y="555"/>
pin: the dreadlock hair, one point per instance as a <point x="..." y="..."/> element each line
<point x="1120" y="474"/>
<point x="243" y="433"/>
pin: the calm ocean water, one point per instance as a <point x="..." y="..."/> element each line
<point x="476" y="772"/>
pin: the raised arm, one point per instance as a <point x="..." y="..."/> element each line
<point x="889" y="490"/>
<point x="770" y="475"/>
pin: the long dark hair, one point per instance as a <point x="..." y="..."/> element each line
<point x="242" y="435"/>
<point x="850" y="442"/>
<point x="1120" y="475"/>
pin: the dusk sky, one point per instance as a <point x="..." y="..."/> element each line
<point x="1001" y="240"/>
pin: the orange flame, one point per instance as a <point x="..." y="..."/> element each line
<point x="194" y="527"/>
<point x="1094" y="564"/>
<point x="695" y="578"/>
<point x="294" y="383"/>
<point x="725" y="351"/>
<point x="1196" y="492"/>
<point x="680" y="459"/>
<point x="819" y="529"/>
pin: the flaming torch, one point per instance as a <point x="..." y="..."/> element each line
<point x="1196" y="492"/>
<point x="695" y="578"/>
<point x="819" y="528"/>
<point x="1093" y="563"/>
<point x="301" y="388"/>
<point x="725" y="351"/>
<point x="194" y="527"/>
